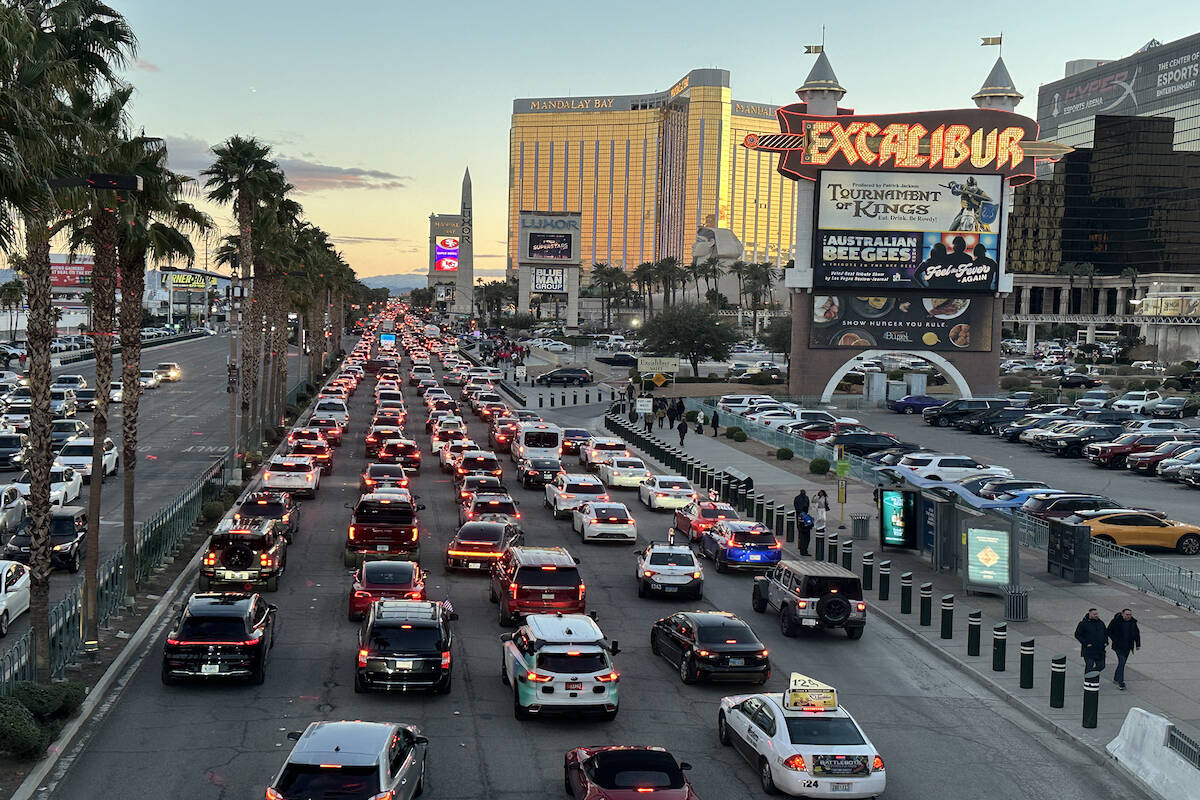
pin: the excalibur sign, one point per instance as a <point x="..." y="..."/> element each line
<point x="982" y="140"/>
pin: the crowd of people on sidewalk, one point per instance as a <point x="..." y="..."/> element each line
<point x="500" y="352"/>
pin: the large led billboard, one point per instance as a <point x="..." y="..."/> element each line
<point x="903" y="230"/>
<point x="445" y="254"/>
<point x="548" y="237"/>
<point x="908" y="321"/>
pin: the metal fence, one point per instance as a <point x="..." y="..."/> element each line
<point x="1187" y="747"/>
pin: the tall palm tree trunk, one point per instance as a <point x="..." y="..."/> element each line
<point x="133" y="285"/>
<point x="104" y="271"/>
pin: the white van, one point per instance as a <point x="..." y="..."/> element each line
<point x="740" y="403"/>
<point x="537" y="440"/>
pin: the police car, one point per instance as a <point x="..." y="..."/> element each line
<point x="560" y="663"/>
<point x="802" y="742"/>
<point x="669" y="568"/>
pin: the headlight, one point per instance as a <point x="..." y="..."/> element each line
<point x="61" y="547"/>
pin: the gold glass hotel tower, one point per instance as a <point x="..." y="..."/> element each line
<point x="646" y="171"/>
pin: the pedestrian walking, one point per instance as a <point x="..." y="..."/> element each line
<point x="682" y="431"/>
<point x="715" y="419"/>
<point x="820" y="511"/>
<point x="671" y="415"/>
<point x="801" y="502"/>
<point x="1125" y="637"/>
<point x="21" y="358"/>
<point x="662" y="416"/>
<point x="649" y="420"/>
<point x="1093" y="639"/>
<point x="804" y="524"/>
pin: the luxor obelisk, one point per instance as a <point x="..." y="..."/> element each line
<point x="464" y="286"/>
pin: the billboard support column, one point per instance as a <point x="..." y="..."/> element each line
<point x="523" y="288"/>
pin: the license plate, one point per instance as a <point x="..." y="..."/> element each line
<point x="239" y="576"/>
<point x="809" y="623"/>
<point x="737" y="662"/>
<point x="756" y="558"/>
<point x="210" y="669"/>
<point x="381" y="548"/>
<point x="474" y="565"/>
<point x="670" y="588"/>
<point x="404" y="665"/>
<point x="840" y="786"/>
<point x="548" y="595"/>
<point x="574" y="686"/>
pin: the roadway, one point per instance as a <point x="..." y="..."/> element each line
<point x="942" y="735"/>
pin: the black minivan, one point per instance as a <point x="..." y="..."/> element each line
<point x="405" y="645"/>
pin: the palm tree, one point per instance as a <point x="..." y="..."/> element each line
<point x="711" y="272"/>
<point x="739" y="269"/>
<point x="1071" y="270"/>
<point x="1129" y="272"/>
<point x="695" y="271"/>
<point x="760" y="279"/>
<point x="1088" y="271"/>
<point x="608" y="279"/>
<point x="644" y="276"/>
<point x="669" y="273"/>
<point x="12" y="295"/>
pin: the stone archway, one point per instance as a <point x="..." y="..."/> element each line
<point x="951" y="371"/>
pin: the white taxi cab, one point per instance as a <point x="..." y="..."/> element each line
<point x="802" y="742"/>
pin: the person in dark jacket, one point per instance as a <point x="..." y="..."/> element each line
<point x="801" y="503"/>
<point x="682" y="428"/>
<point x="715" y="420"/>
<point x="1124" y="636"/>
<point x="1093" y="639"/>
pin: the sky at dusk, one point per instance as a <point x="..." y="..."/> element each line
<point x="374" y="108"/>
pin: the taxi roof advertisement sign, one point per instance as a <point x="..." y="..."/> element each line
<point x="808" y="694"/>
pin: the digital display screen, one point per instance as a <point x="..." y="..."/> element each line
<point x="896" y="519"/>
<point x="988" y="557"/>
<point x="550" y="246"/>
<point x="445" y="254"/>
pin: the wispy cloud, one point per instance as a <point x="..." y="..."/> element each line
<point x="145" y="66"/>
<point x="190" y="155"/>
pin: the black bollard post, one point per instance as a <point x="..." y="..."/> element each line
<point x="947" y="616"/>
<point x="1091" y="699"/>
<point x="587" y="396"/>
<point x="906" y="593"/>
<point x="819" y="546"/>
<point x="1027" y="664"/>
<point x="564" y="398"/>
<point x="999" y="645"/>
<point x="974" y="632"/>
<point x="574" y="398"/>
<point x="831" y="543"/>
<point x="926" y="604"/>
<point x="868" y="567"/>
<point x="541" y="400"/>
<point x="551" y="401"/>
<point x="885" y="580"/>
<point x="789" y="525"/>
<point x="1058" y="681"/>
<point x="848" y="553"/>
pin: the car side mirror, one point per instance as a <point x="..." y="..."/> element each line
<point x="420" y="740"/>
<point x="577" y="561"/>
<point x="506" y="637"/>
<point x="684" y="765"/>
<point x="593" y="615"/>
<point x="420" y="506"/>
<point x="294" y="735"/>
<point x="614" y="648"/>
<point x="345" y="505"/>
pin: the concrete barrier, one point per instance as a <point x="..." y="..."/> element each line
<point x="1141" y="749"/>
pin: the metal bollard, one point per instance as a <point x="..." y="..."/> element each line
<point x="574" y="398"/>
<point x="789" y="525"/>
<point x="926" y="604"/>
<point x="868" y="568"/>
<point x="1091" y="699"/>
<point x="540" y="401"/>
<point x="564" y="398"/>
<point x="947" y="616"/>
<point x="885" y="580"/>
<point x="551" y="401"/>
<point x="769" y="516"/>
<point x="974" y="632"/>
<point x="1027" y="664"/>
<point x="587" y="397"/>
<point x="847" y="554"/>
<point x="831" y="544"/>
<point x="1058" y="681"/>
<point x="906" y="593"/>
<point x="760" y="504"/>
<point x="999" y="645"/>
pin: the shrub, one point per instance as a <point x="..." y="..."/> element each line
<point x="818" y="466"/>
<point x="212" y="510"/>
<point x="691" y="416"/>
<point x="1124" y="369"/>
<point x="20" y="734"/>
<point x="42" y="700"/>
<point x="854" y="379"/>
<point x="740" y="436"/>
<point x="1013" y="382"/>
<point x="1151" y="383"/>
<point x="1135" y="385"/>
<point x="292" y="411"/>
<point x="73" y="695"/>
<point x="762" y="379"/>
<point x="1116" y="384"/>
<point x="302" y="397"/>
<point x="1172" y="385"/>
<point x="784" y="454"/>
<point x="731" y="431"/>
<point x="896" y="375"/>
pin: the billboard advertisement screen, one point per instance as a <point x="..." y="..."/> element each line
<point x="548" y="279"/>
<point x="445" y="254"/>
<point x="905" y="322"/>
<point x="550" y="246"/>
<point x="65" y="274"/>
<point x="900" y="230"/>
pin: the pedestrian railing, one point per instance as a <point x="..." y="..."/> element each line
<point x="1187" y="747"/>
<point x="1031" y="531"/>
<point x="1151" y="575"/>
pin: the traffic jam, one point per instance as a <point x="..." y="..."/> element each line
<point x="551" y="653"/>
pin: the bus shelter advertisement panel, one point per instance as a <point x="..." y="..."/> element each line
<point x="904" y="322"/>
<point x="899" y="230"/>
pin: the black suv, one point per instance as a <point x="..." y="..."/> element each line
<point x="863" y="443"/>
<point x="271" y="505"/>
<point x="565" y="376"/>
<point x="990" y="420"/>
<point x="812" y="594"/>
<point x="68" y="539"/>
<point x="220" y="635"/>
<point x="1060" y="505"/>
<point x="951" y="412"/>
<point x="1071" y="444"/>
<point x="14" y="449"/>
<point x="253" y="552"/>
<point x="405" y="645"/>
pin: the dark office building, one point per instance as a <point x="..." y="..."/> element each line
<point x="1131" y="200"/>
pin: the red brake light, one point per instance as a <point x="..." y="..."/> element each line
<point x="581" y="590"/>
<point x="266" y="476"/>
<point x="802" y="603"/>
<point x="361" y="594"/>
<point x="264" y="559"/>
<point x="351" y="533"/>
<point x="362" y="658"/>
<point x="862" y="606"/>
<point x="512" y="588"/>
<point x="273" y="795"/>
<point x="796" y="762"/>
<point x="877" y="764"/>
<point x="210" y="559"/>
<point x="446" y="663"/>
<point x="609" y="678"/>
<point x="538" y="678"/>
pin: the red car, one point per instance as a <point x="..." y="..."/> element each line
<point x="816" y="431"/>
<point x="695" y="518"/>
<point x="384" y="580"/>
<point x="1114" y="453"/>
<point x="619" y="772"/>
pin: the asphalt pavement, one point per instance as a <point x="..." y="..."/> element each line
<point x="941" y="734"/>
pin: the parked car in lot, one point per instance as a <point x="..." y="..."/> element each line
<point x="1078" y="380"/>
<point x="859" y="443"/>
<point x="68" y="545"/>
<point x="1134" y="528"/>
<point x="1059" y="505"/>
<point x="1114" y="453"/>
<point x="1096" y="398"/>
<point x="1137" y="402"/>
<point x="949" y="467"/>
<point x="914" y="403"/>
<point x="1074" y="440"/>
<point x="1178" y="407"/>
<point x="565" y="376"/>
<point x="950" y="412"/>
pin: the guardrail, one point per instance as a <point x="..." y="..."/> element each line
<point x="87" y="354"/>
<point x="1187" y="747"/>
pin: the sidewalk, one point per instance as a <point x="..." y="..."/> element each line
<point x="1161" y="677"/>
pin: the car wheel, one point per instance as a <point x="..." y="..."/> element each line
<point x="492" y="594"/>
<point x="506" y="619"/>
<point x="908" y="410"/>
<point x="718" y="564"/>
<point x="787" y="626"/>
<point x="757" y="602"/>
<point x="167" y="678"/>
<point x="567" y="783"/>
<point x="75" y="563"/>
<point x="723" y="730"/>
<point x="654" y="646"/>
<point x="855" y="633"/>
<point x="1189" y="544"/>
<point x="272" y="584"/>
<point x="444" y="686"/>
<point x="687" y="670"/>
<point x="765" y="777"/>
<point x="519" y="711"/>
<point x="203" y="583"/>
<point x="359" y="686"/>
<point x="642" y="589"/>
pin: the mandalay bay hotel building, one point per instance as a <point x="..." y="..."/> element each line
<point x="646" y="171"/>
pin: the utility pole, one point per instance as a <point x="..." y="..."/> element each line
<point x="233" y="387"/>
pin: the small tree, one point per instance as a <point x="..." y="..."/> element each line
<point x="696" y="333"/>
<point x="777" y="336"/>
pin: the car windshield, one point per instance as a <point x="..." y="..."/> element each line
<point x="1127" y="438"/>
<point x="385" y="471"/>
<point x="576" y="433"/>
<point x="272" y="509"/>
<point x="212" y="628"/>
<point x="147" y="373"/>
<point x="62" y="526"/>
<point x="574" y="663"/>
<point x="76" y="450"/>
<point x="344" y="783"/>
<point x="289" y="466"/>
<point x="823" y="731"/>
<point x="404" y="638"/>
<point x="481" y="532"/>
<point x="544" y="463"/>
<point x="672" y="484"/>
<point x="671" y="559"/>
<point x="634" y="769"/>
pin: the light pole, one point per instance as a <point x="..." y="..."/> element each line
<point x="233" y="477"/>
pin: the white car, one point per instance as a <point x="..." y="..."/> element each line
<point x="1095" y="398"/>
<point x="14" y="593"/>
<point x="77" y="454"/>
<point x="17" y="416"/>
<point x="148" y="379"/>
<point x="1137" y="402"/>
<point x="449" y="452"/>
<point x="666" y="491"/>
<point x="557" y="347"/>
<point x="65" y="485"/>
<point x="603" y="520"/>
<point x="943" y="467"/>
<point x="69" y="382"/>
<point x="294" y="474"/>
<point x="802" y="742"/>
<point x="772" y="416"/>
<point x="601" y="447"/>
<point x="560" y="662"/>
<point x="485" y="373"/>
<point x="740" y="403"/>
<point x="569" y="490"/>
<point x="332" y="408"/>
<point x="116" y="392"/>
<point x="625" y="472"/>
<point x="669" y="568"/>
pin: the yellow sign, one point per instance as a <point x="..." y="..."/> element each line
<point x="189" y="281"/>
<point x="808" y="694"/>
<point x="659" y="379"/>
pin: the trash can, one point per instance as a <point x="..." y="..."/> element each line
<point x="861" y="526"/>
<point x="1016" y="604"/>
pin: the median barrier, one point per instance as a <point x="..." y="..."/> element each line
<point x="1157" y="755"/>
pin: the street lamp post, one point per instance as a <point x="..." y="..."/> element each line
<point x="233" y="476"/>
